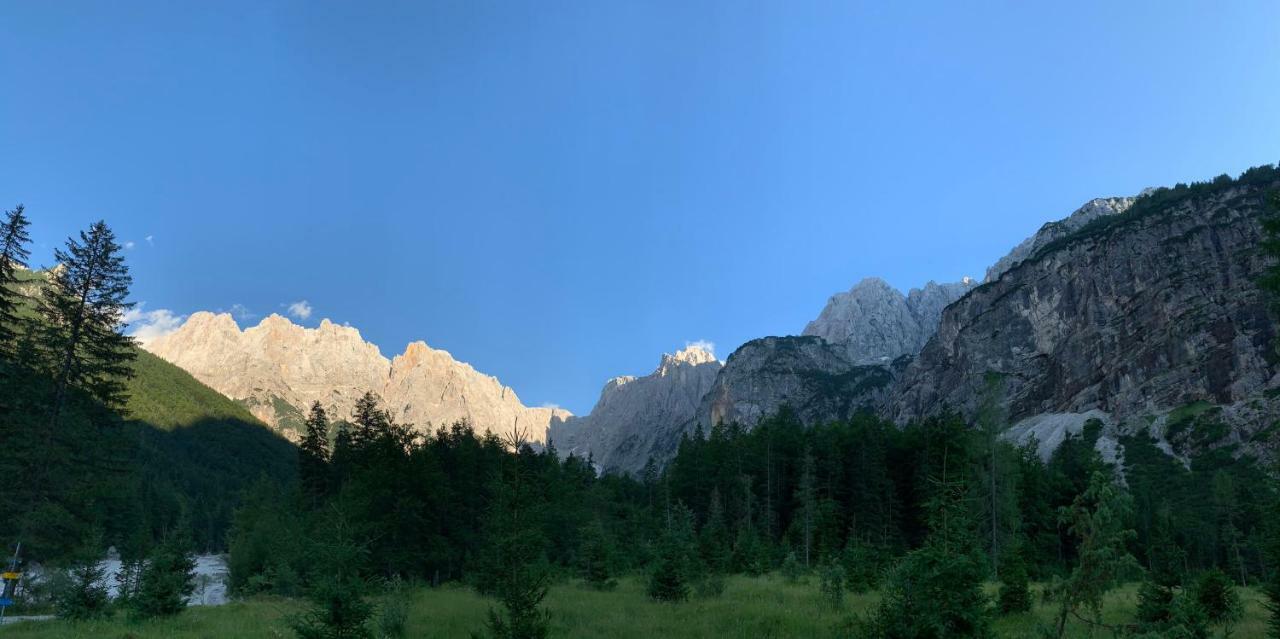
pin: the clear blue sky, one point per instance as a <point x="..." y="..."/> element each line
<point x="557" y="192"/>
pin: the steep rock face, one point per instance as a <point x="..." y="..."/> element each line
<point x="1133" y="316"/>
<point x="815" y="378"/>
<point x="876" y="323"/>
<point x="636" y="417"/>
<point x="1092" y="210"/>
<point x="277" y="369"/>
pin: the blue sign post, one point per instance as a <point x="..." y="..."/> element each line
<point x="10" y="579"/>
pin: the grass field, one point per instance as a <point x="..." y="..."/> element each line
<point x="755" y="608"/>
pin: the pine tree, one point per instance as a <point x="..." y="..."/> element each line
<point x="597" y="557"/>
<point x="831" y="584"/>
<point x="13" y="255"/>
<point x="516" y="555"/>
<point x="806" y="496"/>
<point x="1271" y="549"/>
<point x="675" y="565"/>
<point x="1015" y="593"/>
<point x="717" y="546"/>
<point x="313" y="455"/>
<point x="82" y="594"/>
<point x="936" y="590"/>
<point x="1099" y="520"/>
<point x="166" y="580"/>
<point x="83" y="308"/>
<point x="339" y="609"/>
<point x="1165" y="562"/>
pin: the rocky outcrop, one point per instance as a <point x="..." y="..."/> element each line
<point x="813" y="377"/>
<point x="277" y="369"/>
<point x="1133" y="315"/>
<point x="639" y="417"/>
<point x="875" y="323"/>
<point x="1092" y="210"/>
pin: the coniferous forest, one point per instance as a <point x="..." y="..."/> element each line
<point x="939" y="528"/>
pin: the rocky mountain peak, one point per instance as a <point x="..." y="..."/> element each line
<point x="277" y="369"/>
<point x="1090" y="211"/>
<point x="692" y="355"/>
<point x="876" y="323"/>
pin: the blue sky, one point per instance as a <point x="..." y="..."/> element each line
<point x="557" y="192"/>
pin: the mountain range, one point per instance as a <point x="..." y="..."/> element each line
<point x="1134" y="311"/>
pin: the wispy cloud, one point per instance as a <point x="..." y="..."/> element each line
<point x="702" y="344"/>
<point x="300" y="309"/>
<point x="150" y="240"/>
<point x="128" y="246"/>
<point x="146" y="326"/>
<point x="240" y="312"/>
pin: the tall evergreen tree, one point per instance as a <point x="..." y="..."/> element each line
<point x="313" y="455"/>
<point x="13" y="255"/>
<point x="519" y="573"/>
<point x="83" y="308"/>
<point x="1099" y="520"/>
<point x="806" y="496"/>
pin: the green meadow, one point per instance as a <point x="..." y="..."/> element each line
<point x="750" y="608"/>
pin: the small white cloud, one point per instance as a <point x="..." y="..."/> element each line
<point x="149" y="239"/>
<point x="241" y="312"/>
<point x="128" y="246"/>
<point x="146" y="326"/>
<point x="702" y="344"/>
<point x="300" y="309"/>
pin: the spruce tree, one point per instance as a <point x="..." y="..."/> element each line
<point x="1015" y="592"/>
<point x="83" y="307"/>
<point x="166" y="580"/>
<point x="936" y="590"/>
<point x="13" y="255"/>
<point x="1099" y="520"/>
<point x="806" y="496"/>
<point x="717" y="546"/>
<point x="1165" y="562"/>
<point x="515" y="559"/>
<point x="1271" y="549"/>
<point x="597" y="557"/>
<point x="313" y="455"/>
<point x="675" y="566"/>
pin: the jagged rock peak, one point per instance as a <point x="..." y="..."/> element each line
<point x="636" y="417"/>
<point x="691" y="355"/>
<point x="278" y="368"/>
<point x="876" y="323"/>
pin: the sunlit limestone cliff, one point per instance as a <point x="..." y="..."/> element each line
<point x="277" y="369"/>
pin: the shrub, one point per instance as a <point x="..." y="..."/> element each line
<point x="831" y="585"/>
<point x="792" y="570"/>
<point x="394" y="614"/>
<point x="1216" y="595"/>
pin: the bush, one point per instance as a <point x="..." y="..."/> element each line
<point x="832" y="585"/>
<point x="1216" y="595"/>
<point x="710" y="587"/>
<point x="394" y="614"/>
<point x="792" y="570"/>
<point x="863" y="565"/>
<point x="1015" y="592"/>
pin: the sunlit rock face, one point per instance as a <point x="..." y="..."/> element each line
<point x="277" y="369"/>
